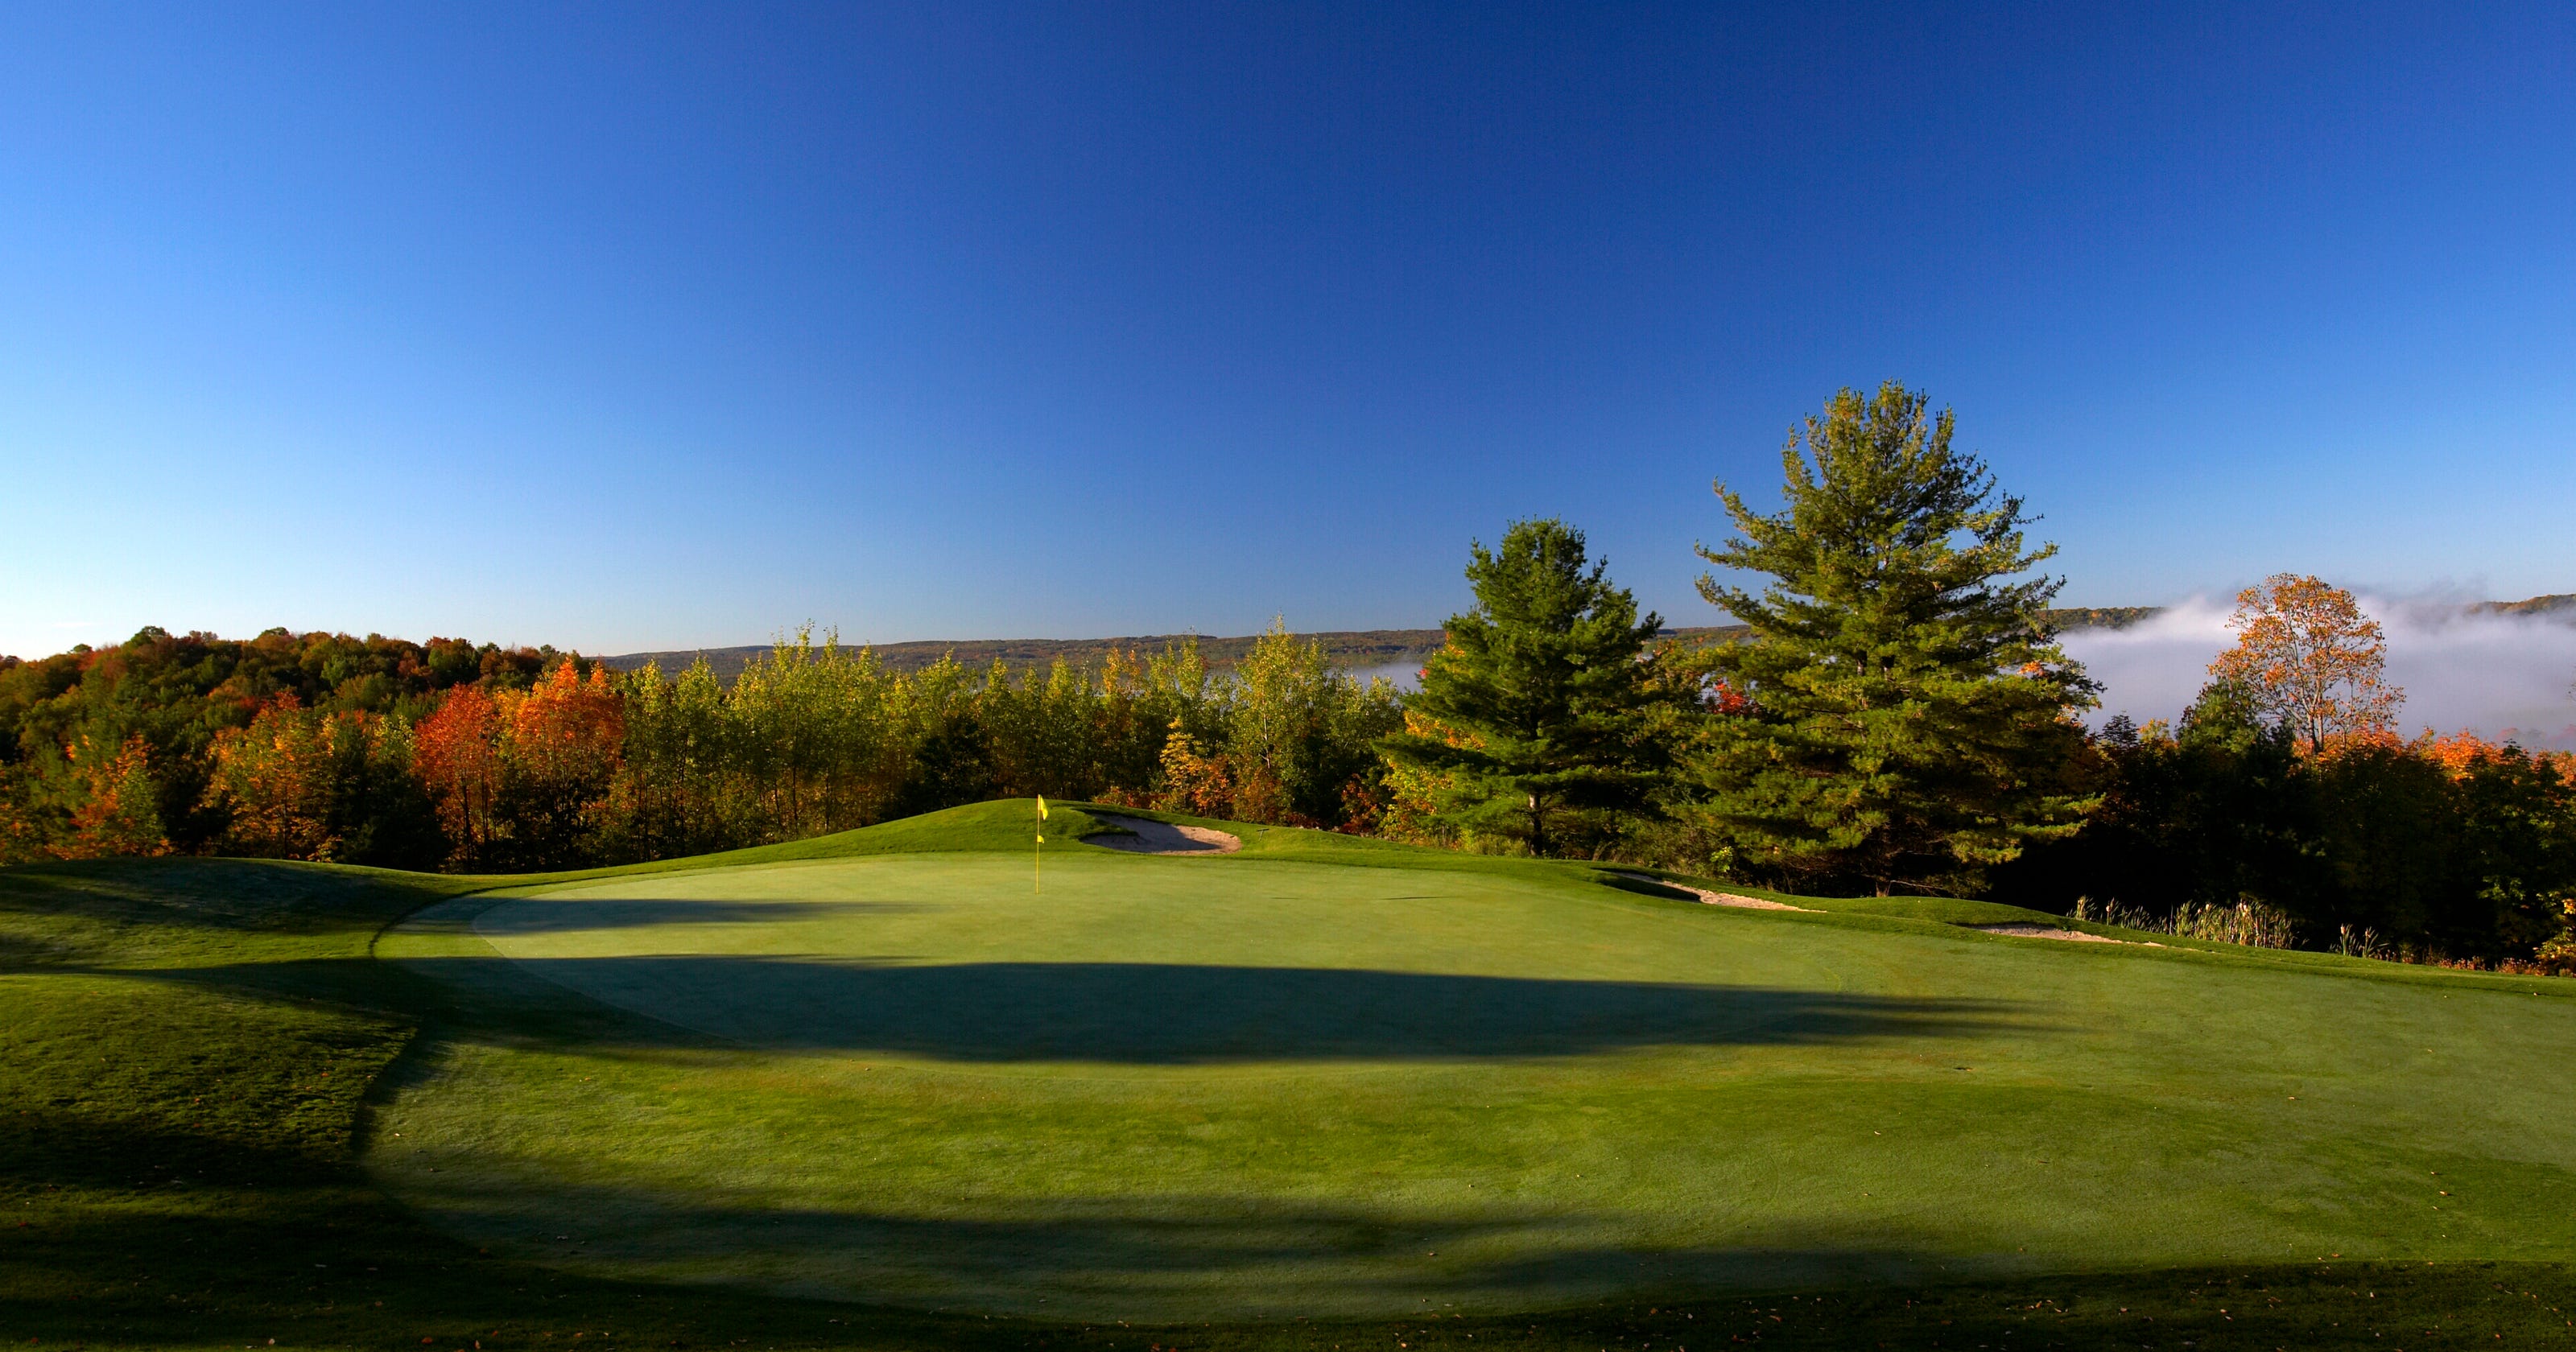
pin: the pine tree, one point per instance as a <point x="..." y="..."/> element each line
<point x="1910" y="720"/>
<point x="1533" y="708"/>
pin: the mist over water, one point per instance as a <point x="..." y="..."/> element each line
<point x="1407" y="676"/>
<point x="2492" y="674"/>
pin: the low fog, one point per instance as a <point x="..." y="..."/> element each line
<point x="2494" y="674"/>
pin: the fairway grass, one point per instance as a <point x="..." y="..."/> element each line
<point x="870" y="1091"/>
<point x="1259" y="1086"/>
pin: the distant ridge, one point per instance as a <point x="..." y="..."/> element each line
<point x="1350" y="647"/>
<point x="2102" y="617"/>
<point x="2557" y="603"/>
<point x="1354" y="648"/>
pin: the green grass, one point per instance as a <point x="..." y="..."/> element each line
<point x="1323" y="1093"/>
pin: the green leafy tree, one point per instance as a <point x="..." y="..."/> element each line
<point x="1303" y="735"/>
<point x="1535" y="708"/>
<point x="1909" y="724"/>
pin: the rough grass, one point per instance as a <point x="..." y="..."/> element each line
<point x="189" y="1050"/>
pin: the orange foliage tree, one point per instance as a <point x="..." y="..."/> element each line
<point x="522" y="779"/>
<point x="121" y="813"/>
<point x="2307" y="657"/>
<point x="2465" y="752"/>
<point x="559" y="760"/>
<point x="568" y="729"/>
<point x="457" y="753"/>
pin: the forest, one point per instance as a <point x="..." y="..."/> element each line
<point x="449" y="755"/>
<point x="1891" y="714"/>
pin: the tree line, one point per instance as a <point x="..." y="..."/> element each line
<point x="449" y="755"/>
<point x="1900" y="718"/>
<point x="1896" y="716"/>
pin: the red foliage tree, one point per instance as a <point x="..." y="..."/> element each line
<point x="457" y="753"/>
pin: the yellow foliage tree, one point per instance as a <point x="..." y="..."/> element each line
<point x="1195" y="781"/>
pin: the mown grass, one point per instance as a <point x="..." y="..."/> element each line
<point x="192" y="1055"/>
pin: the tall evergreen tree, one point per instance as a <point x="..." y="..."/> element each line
<point x="1533" y="708"/>
<point x="1909" y="724"/>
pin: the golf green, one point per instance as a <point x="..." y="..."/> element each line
<point x="1316" y="1078"/>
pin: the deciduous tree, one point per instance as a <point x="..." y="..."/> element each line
<point x="2310" y="660"/>
<point x="559" y="759"/>
<point x="120" y="814"/>
<point x="457" y="753"/>
<point x="1301" y="732"/>
<point x="304" y="783"/>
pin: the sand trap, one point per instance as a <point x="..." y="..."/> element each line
<point x="1162" y="837"/>
<point x="2049" y="932"/>
<point x="1711" y="898"/>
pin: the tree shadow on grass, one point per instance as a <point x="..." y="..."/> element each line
<point x="1147" y="1014"/>
<point x="1142" y="1258"/>
<point x="570" y="914"/>
<point x="1178" y="1014"/>
<point x="267" y="896"/>
<point x="332" y="1263"/>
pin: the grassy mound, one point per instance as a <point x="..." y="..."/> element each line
<point x="1415" y="1091"/>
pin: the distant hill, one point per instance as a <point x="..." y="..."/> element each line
<point x="2557" y="603"/>
<point x="2102" y="617"/>
<point x="1353" y="648"/>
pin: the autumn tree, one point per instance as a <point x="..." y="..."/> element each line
<point x="559" y="757"/>
<point x="1146" y="701"/>
<point x="1910" y="709"/>
<point x="457" y="754"/>
<point x="119" y="814"/>
<point x="336" y="787"/>
<point x="381" y="751"/>
<point x="2310" y="660"/>
<point x="1194" y="780"/>
<point x="1535" y="707"/>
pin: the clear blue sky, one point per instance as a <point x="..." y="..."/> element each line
<point x="629" y="327"/>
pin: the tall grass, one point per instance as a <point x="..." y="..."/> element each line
<point x="2251" y="922"/>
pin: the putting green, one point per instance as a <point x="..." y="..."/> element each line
<point x="1262" y="1085"/>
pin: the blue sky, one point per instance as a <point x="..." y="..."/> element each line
<point x="628" y="327"/>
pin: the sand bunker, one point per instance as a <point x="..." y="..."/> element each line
<point x="1711" y="898"/>
<point x="1162" y="837"/>
<point x="2050" y="932"/>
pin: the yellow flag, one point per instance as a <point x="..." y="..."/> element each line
<point x="1042" y="807"/>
